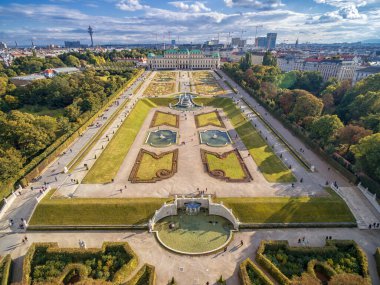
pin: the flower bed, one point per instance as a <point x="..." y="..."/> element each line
<point x="160" y="89"/>
<point x="164" y="119"/>
<point x="46" y="262"/>
<point x="209" y="119"/>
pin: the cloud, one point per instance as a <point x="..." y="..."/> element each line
<point x="130" y="5"/>
<point x="195" y="7"/>
<point x="345" y="3"/>
<point x="345" y="13"/>
<point x="257" y="4"/>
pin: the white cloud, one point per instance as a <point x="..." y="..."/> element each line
<point x="195" y="7"/>
<point x="345" y="3"/>
<point x="258" y="4"/>
<point x="131" y="5"/>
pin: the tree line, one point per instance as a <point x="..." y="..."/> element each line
<point x="344" y="120"/>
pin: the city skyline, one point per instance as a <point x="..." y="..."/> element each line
<point x="138" y="21"/>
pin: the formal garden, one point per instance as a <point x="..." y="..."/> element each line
<point x="165" y="76"/>
<point x="205" y="84"/>
<point x="114" y="262"/>
<point x="228" y="166"/>
<point x="164" y="119"/>
<point x="338" y="262"/>
<point x="209" y="119"/>
<point x="151" y="167"/>
<point x="160" y="89"/>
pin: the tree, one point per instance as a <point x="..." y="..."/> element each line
<point x="269" y="59"/>
<point x="11" y="161"/>
<point x="307" y="105"/>
<point x="309" y="80"/>
<point x="72" y="61"/>
<point x="351" y="134"/>
<point x="287" y="100"/>
<point x="367" y="155"/>
<point x="325" y="129"/>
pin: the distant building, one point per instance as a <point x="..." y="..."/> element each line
<point x="238" y="42"/>
<point x="3" y="45"/>
<point x="257" y="58"/>
<point x="271" y="40"/>
<point x="48" y="73"/>
<point x="365" y="72"/>
<point x="340" y="68"/>
<point x="173" y="42"/>
<point x="74" y="44"/>
<point x="183" y="59"/>
<point x="26" y="79"/>
<point x="261" y="42"/>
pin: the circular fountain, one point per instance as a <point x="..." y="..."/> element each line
<point x="186" y="103"/>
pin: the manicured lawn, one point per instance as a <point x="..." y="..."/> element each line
<point x="207" y="119"/>
<point x="165" y="119"/>
<point x="160" y="89"/>
<point x="273" y="169"/>
<point x="150" y="165"/>
<point x="93" y="211"/>
<point x="109" y="162"/>
<point x="205" y="84"/>
<point x="290" y="209"/>
<point x="42" y="111"/>
<point x="230" y="165"/>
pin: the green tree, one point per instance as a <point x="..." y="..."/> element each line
<point x="309" y="80"/>
<point x="269" y="59"/>
<point x="367" y="155"/>
<point x="306" y="105"/>
<point x="72" y="61"/>
<point x="325" y="129"/>
<point x="351" y="134"/>
<point x="11" y="161"/>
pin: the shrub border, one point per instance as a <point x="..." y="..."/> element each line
<point x="5" y="266"/>
<point x="161" y="173"/>
<point x="219" y="173"/>
<point x="119" y="277"/>
<point x="377" y="259"/>
<point x="331" y="245"/>
<point x="244" y="277"/>
<point x="145" y="268"/>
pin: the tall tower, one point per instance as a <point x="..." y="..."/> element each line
<point x="296" y="46"/>
<point x="90" y="31"/>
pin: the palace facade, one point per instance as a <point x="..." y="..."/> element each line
<point x="183" y="59"/>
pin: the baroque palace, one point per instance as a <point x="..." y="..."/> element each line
<point x="183" y="59"/>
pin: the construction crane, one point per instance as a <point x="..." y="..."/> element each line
<point x="242" y="32"/>
<point x="258" y="26"/>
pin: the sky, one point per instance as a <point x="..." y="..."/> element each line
<point x="152" y="21"/>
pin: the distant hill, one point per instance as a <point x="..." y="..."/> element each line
<point x="372" y="41"/>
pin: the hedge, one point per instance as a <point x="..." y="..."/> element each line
<point x="5" y="270"/>
<point x="52" y="248"/>
<point x="377" y="258"/>
<point x="268" y="265"/>
<point x="145" y="276"/>
<point x="244" y="276"/>
<point x="330" y="247"/>
<point x="322" y="266"/>
<point x="40" y="162"/>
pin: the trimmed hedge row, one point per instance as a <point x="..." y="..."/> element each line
<point x="145" y="276"/>
<point x="5" y="270"/>
<point x="39" y="163"/>
<point x="268" y="265"/>
<point x="80" y="254"/>
<point x="321" y="266"/>
<point x="330" y="247"/>
<point x="259" y="275"/>
<point x="377" y="258"/>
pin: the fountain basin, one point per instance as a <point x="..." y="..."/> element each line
<point x="194" y="234"/>
<point x="215" y="138"/>
<point x="161" y="138"/>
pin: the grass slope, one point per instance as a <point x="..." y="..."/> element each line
<point x="273" y="169"/>
<point x="109" y="162"/>
<point x="230" y="165"/>
<point x="95" y="211"/>
<point x="290" y="209"/>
